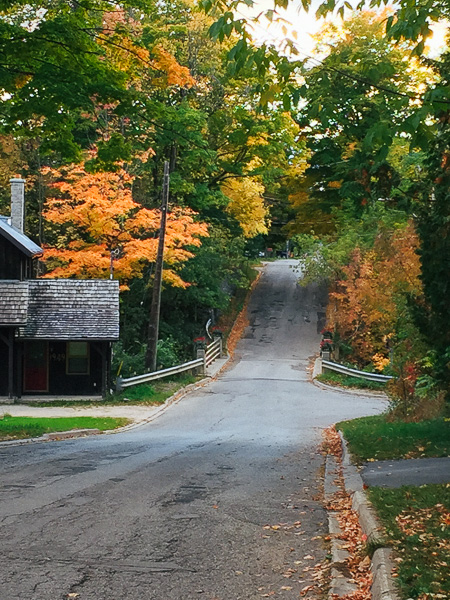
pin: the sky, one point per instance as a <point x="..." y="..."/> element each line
<point x="306" y="25"/>
<point x="303" y="23"/>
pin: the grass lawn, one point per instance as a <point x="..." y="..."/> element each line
<point x="377" y="438"/>
<point x="417" y="521"/>
<point x="147" y="394"/>
<point x="333" y="378"/>
<point x="14" y="428"/>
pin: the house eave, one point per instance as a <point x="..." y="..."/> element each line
<point x="20" y="240"/>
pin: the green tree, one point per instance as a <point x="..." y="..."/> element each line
<point x="350" y="120"/>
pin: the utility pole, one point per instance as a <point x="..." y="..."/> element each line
<point x="153" y="326"/>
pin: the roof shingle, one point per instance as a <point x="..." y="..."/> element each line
<point x="13" y="302"/>
<point x="72" y="309"/>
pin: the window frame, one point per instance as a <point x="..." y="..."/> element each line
<point x="86" y="356"/>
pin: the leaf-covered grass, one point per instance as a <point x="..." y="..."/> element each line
<point x="378" y="438"/>
<point x="417" y="521"/>
<point x="26" y="427"/>
<point x="333" y="378"/>
<point x="145" y="394"/>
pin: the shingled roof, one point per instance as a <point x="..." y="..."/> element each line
<point x="72" y="309"/>
<point x="13" y="302"/>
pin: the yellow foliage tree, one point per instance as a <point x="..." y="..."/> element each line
<point x="247" y="205"/>
<point x="121" y="40"/>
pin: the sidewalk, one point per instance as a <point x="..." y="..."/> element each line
<point x="410" y="471"/>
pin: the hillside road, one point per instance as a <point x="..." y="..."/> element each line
<point x="216" y="499"/>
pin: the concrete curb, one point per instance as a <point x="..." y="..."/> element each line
<point x="341" y="582"/>
<point x="72" y="433"/>
<point x="383" y="587"/>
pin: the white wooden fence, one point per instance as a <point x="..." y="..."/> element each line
<point x="213" y="351"/>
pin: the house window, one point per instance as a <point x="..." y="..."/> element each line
<point x="77" y="358"/>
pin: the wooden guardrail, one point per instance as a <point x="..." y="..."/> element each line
<point x="332" y="366"/>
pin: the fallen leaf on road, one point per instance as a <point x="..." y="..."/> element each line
<point x="306" y="589"/>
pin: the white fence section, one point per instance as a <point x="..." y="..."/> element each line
<point x="124" y="383"/>
<point x="332" y="366"/>
<point x="213" y="351"/>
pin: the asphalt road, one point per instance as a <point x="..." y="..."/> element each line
<point x="217" y="499"/>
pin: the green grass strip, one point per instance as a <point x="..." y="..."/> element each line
<point x="25" y="427"/>
<point x="333" y="378"/>
<point x="417" y="521"/>
<point x="376" y="438"/>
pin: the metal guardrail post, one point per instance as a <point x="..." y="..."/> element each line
<point x="119" y="387"/>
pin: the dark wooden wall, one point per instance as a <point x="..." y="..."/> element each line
<point x="13" y="264"/>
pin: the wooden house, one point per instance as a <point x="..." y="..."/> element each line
<point x="55" y="334"/>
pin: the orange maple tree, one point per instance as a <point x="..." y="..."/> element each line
<point x="94" y="214"/>
<point x="366" y="304"/>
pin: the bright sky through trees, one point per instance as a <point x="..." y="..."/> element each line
<point x="295" y="22"/>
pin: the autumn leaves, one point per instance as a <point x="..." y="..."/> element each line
<point x="93" y="215"/>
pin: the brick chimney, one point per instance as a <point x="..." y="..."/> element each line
<point x="17" y="202"/>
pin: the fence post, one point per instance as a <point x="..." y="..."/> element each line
<point x="201" y="354"/>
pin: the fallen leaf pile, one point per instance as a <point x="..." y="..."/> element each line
<point x="351" y="533"/>
<point x="241" y="322"/>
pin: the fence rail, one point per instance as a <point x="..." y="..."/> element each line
<point x="211" y="352"/>
<point x="124" y="383"/>
<point x="332" y="366"/>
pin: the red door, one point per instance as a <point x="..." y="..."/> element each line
<point x="35" y="372"/>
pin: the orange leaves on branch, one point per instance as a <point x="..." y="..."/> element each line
<point x="175" y="74"/>
<point x="95" y="214"/>
<point x="364" y="306"/>
<point x="120" y="39"/>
